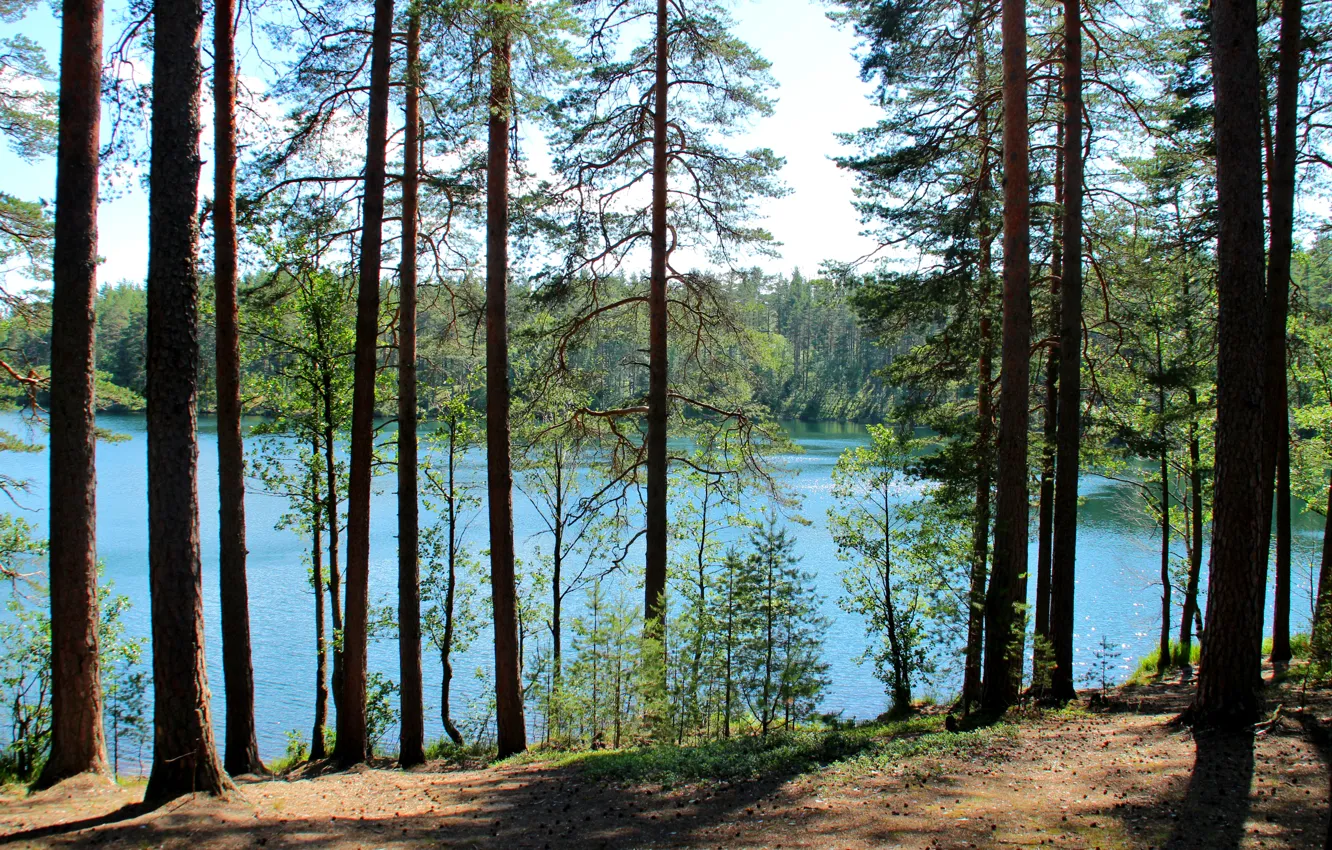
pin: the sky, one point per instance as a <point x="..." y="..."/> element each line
<point x="819" y="94"/>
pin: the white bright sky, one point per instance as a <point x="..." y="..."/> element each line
<point x="819" y="94"/>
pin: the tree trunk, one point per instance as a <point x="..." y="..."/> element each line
<point x="1190" y="607"/>
<point x="654" y="582"/>
<point x="980" y="538"/>
<point x="242" y="750"/>
<point x="1281" y="200"/>
<point x="1163" y="650"/>
<point x="450" y="593"/>
<point x="1064" y="557"/>
<point x="1049" y="435"/>
<point x="334" y="566"/>
<point x="510" y="726"/>
<point x="1281" y="652"/>
<point x="1003" y="621"/>
<point x="321" y="641"/>
<point x="412" y="741"/>
<point x="78" y="742"/>
<point x="1323" y="602"/>
<point x="1230" y="676"/>
<point x="352" y="744"/>
<point x="184" y="755"/>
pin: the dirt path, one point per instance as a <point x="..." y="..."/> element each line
<point x="1122" y="779"/>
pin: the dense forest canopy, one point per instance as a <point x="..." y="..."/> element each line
<point x="528" y="235"/>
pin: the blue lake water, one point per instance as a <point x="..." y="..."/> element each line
<point x="1118" y="590"/>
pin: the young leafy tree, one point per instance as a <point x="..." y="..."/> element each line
<point x="78" y="742"/>
<point x="242" y="748"/>
<point x="185" y="757"/>
<point x="868" y="524"/>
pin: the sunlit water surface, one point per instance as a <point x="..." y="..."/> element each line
<point x="1118" y="587"/>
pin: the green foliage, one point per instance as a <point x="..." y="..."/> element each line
<point x="1146" y="670"/>
<point x="296" y="753"/>
<point x="381" y="713"/>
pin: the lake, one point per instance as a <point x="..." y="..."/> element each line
<point x="1118" y="590"/>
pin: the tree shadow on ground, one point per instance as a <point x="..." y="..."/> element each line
<point x="1216" y="803"/>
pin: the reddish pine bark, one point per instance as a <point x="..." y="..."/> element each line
<point x="1229" y="679"/>
<point x="1003" y="655"/>
<point x="411" y="747"/>
<point x="242" y="750"/>
<point x="510" y="726"/>
<point x="78" y="743"/>
<point x="184" y="754"/>
<point x="1064" y="550"/>
<point x="1281" y="209"/>
<point x="352" y="744"/>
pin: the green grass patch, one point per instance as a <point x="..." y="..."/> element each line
<point x="1299" y="646"/>
<point x="1146" y="671"/>
<point x="786" y="753"/>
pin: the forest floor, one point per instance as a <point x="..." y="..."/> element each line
<point x="1120" y="775"/>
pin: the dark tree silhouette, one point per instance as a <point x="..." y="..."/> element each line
<point x="412" y="740"/>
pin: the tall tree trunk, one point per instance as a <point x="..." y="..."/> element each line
<point x="654" y="582"/>
<point x="1064" y="557"/>
<point x="242" y="750"/>
<point x="1003" y="621"/>
<point x="980" y="533"/>
<point x="1190" y="607"/>
<point x="78" y="742"/>
<point x="1230" y="676"/>
<point x="317" y="751"/>
<point x="510" y="726"/>
<point x="412" y="741"/>
<point x="1281" y="201"/>
<point x="1163" y="649"/>
<point x="1049" y="435"/>
<point x="334" y="533"/>
<point x="352" y="745"/>
<point x="184" y="754"/>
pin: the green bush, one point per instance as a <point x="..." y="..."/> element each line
<point x="1146" y="671"/>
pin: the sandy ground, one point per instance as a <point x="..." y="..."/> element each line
<point x="1121" y="778"/>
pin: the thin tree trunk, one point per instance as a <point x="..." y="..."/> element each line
<point x="654" y="582"/>
<point x="1003" y="621"/>
<point x="352" y="745"/>
<point x="1281" y="200"/>
<point x="450" y="593"/>
<point x="334" y="565"/>
<point x="1281" y="651"/>
<point x="78" y="742"/>
<point x="1323" y="604"/>
<point x="1163" y="650"/>
<point x="317" y="751"/>
<point x="980" y="539"/>
<point x="1064" y="555"/>
<point x="1190" y="607"/>
<point x="1230" y="676"/>
<point x="412" y="741"/>
<point x="242" y="750"/>
<point x="184" y="754"/>
<point x="1049" y="435"/>
<point x="511" y="728"/>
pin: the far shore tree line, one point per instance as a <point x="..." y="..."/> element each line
<point x="1105" y="277"/>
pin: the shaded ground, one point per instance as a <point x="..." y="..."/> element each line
<point x="1115" y="778"/>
